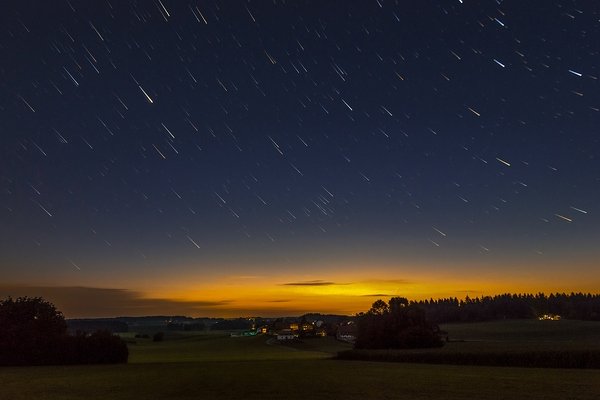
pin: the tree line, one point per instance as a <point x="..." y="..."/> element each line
<point x="581" y="306"/>
<point x="401" y="323"/>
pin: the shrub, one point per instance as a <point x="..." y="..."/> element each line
<point x="34" y="332"/>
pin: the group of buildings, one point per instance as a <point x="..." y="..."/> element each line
<point x="284" y="329"/>
<point x="345" y="331"/>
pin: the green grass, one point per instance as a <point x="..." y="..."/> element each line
<point x="520" y="336"/>
<point x="218" y="367"/>
<point x="211" y="348"/>
<point x="295" y="379"/>
<point x="568" y="344"/>
<point x="328" y="345"/>
<point x="524" y="335"/>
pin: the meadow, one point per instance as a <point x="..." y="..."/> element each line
<point x="517" y="335"/>
<point x="516" y="343"/>
<point x="215" y="366"/>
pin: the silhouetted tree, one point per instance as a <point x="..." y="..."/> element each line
<point x="397" y="324"/>
<point x="29" y="330"/>
<point x="101" y="347"/>
<point x="34" y="332"/>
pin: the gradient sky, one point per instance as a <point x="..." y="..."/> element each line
<point x="279" y="157"/>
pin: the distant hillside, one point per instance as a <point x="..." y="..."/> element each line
<point x="92" y="325"/>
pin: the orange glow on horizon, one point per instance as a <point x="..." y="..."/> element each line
<point x="278" y="296"/>
<point x="337" y="289"/>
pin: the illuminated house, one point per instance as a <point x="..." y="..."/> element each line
<point x="306" y="327"/>
<point x="549" y="317"/>
<point x="286" y="334"/>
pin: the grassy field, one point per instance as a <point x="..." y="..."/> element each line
<point x="517" y="335"/>
<point x="215" y="348"/>
<point x="219" y="367"/>
<point x="520" y="335"/>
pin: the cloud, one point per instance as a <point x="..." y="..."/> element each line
<point x="376" y="295"/>
<point x="279" y="301"/>
<point x="82" y="302"/>
<point x="391" y="281"/>
<point x="317" y="282"/>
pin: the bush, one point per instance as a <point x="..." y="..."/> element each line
<point x="34" y="332"/>
<point x="101" y="347"/>
<point x="418" y="337"/>
<point x="158" y="337"/>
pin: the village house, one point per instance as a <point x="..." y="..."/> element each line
<point x="549" y="317"/>
<point x="286" y="334"/>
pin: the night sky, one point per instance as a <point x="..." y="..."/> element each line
<point x="279" y="157"/>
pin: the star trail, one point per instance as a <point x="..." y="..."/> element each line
<point x="213" y="153"/>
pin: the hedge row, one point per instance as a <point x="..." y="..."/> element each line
<point x="532" y="359"/>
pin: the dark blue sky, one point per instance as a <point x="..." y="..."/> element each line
<point x="196" y="138"/>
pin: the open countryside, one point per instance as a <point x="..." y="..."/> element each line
<point x="217" y="366"/>
<point x="201" y="199"/>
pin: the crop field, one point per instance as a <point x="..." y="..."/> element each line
<point x="213" y="366"/>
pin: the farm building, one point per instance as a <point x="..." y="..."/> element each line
<point x="286" y="334"/>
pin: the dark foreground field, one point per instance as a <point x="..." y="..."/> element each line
<point x="219" y="367"/>
<point x="517" y="343"/>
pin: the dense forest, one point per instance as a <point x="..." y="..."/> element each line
<point x="507" y="306"/>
